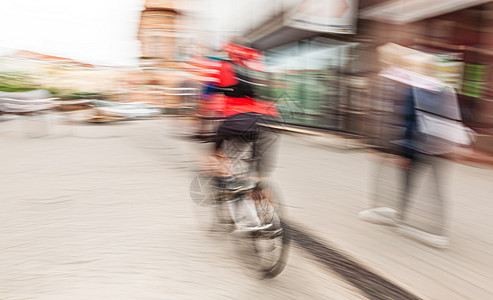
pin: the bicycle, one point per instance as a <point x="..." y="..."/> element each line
<point x="239" y="196"/>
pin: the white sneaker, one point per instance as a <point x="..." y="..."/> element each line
<point x="437" y="241"/>
<point x="379" y="215"/>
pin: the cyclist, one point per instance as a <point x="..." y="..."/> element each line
<point x="241" y="144"/>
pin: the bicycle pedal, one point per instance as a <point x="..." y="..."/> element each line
<point x="252" y="230"/>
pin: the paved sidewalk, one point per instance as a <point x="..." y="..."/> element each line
<point x="326" y="187"/>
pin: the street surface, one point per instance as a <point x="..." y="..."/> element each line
<point x="104" y="212"/>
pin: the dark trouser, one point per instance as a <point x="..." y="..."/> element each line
<point x="419" y="163"/>
<point x="265" y="151"/>
<point x="245" y="128"/>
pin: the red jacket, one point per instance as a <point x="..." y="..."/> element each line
<point x="233" y="106"/>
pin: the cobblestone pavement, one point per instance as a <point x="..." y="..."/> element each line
<point x="103" y="212"/>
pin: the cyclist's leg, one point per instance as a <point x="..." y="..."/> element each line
<point x="265" y="152"/>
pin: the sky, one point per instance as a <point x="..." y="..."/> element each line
<point x="102" y="32"/>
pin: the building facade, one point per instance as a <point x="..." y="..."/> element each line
<point x="311" y="51"/>
<point x="158" y="30"/>
<point x="326" y="78"/>
<point x="162" y="32"/>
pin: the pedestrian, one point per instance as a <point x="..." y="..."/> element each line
<point x="432" y="126"/>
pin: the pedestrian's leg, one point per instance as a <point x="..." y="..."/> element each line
<point x="438" y="164"/>
<point x="408" y="181"/>
<point x="433" y="238"/>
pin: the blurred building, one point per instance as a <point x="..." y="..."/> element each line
<point x="322" y="63"/>
<point x="161" y="32"/>
<point x="63" y="74"/>
<point x="311" y="51"/>
<point x="158" y="31"/>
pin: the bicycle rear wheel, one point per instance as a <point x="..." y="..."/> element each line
<point x="271" y="246"/>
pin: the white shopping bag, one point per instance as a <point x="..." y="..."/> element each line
<point x="438" y="115"/>
<point x="449" y="130"/>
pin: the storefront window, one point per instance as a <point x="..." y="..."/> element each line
<point x="304" y="78"/>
